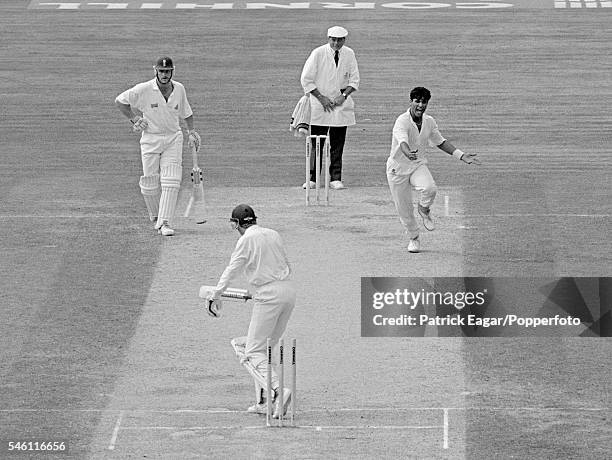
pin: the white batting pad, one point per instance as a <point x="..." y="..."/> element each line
<point x="259" y="374"/>
<point x="150" y="188"/>
<point x="170" y="179"/>
<point x="239" y="345"/>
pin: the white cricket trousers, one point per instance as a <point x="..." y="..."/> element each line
<point x="160" y="150"/>
<point x="273" y="305"/>
<point x="162" y="167"/>
<point x="402" y="190"/>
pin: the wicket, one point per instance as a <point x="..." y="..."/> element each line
<point x="318" y="140"/>
<point x="281" y="381"/>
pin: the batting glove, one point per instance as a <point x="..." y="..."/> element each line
<point x="139" y="124"/>
<point x="195" y="140"/>
<point x="213" y="307"/>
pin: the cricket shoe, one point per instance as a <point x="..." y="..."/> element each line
<point x="165" y="229"/>
<point x="313" y="184"/>
<point x="259" y="408"/>
<point x="414" y="245"/>
<point x="337" y="185"/>
<point x="281" y="404"/>
<point x="425" y="214"/>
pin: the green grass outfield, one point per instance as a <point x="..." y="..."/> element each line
<point x="102" y="342"/>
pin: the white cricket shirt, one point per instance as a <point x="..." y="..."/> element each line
<point x="260" y="252"/>
<point x="163" y="116"/>
<point x="405" y="130"/>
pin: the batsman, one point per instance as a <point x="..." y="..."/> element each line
<point x="260" y="254"/>
<point x="160" y="104"/>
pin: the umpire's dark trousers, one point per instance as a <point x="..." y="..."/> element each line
<point x="337" y="136"/>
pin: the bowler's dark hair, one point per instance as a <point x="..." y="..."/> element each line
<point x="419" y="93"/>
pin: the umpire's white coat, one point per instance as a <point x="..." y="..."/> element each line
<point x="320" y="72"/>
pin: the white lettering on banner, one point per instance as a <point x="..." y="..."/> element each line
<point x="349" y="6"/>
<point x="483" y="5"/>
<point x="582" y="4"/>
<point x="64" y="5"/>
<point x="136" y="4"/>
<point x="214" y="6"/>
<point x="415" y="5"/>
<point x="110" y="6"/>
<point x="258" y="6"/>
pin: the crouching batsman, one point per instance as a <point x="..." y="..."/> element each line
<point x="260" y="253"/>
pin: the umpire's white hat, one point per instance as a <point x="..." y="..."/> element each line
<point x="337" y="32"/>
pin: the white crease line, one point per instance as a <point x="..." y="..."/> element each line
<point x="263" y="426"/>
<point x="123" y="216"/>
<point x="113" y="440"/>
<point x="337" y="409"/>
<point x="189" y="206"/>
<point x="445" y="436"/>
<point x="533" y="215"/>
<point x="70" y="216"/>
<point x="372" y="409"/>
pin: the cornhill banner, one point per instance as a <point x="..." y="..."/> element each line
<point x="486" y="307"/>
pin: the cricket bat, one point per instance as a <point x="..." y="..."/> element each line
<point x="197" y="192"/>
<point x="229" y="293"/>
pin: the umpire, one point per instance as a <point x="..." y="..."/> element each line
<point x="330" y="75"/>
